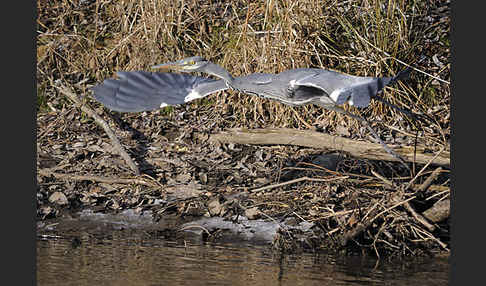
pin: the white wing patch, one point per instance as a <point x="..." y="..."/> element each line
<point x="335" y="95"/>
<point x="193" y="95"/>
<point x="339" y="98"/>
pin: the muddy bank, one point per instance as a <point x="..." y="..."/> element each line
<point x="348" y="204"/>
<point x="236" y="229"/>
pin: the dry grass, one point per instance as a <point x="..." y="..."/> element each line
<point x="81" y="43"/>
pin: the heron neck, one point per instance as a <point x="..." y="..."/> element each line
<point x="220" y="72"/>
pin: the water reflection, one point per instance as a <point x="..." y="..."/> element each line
<point x="129" y="258"/>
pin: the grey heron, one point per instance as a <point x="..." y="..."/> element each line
<point x="138" y="91"/>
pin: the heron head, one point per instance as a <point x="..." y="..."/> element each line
<point x="191" y="64"/>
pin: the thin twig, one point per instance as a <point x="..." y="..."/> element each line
<point x="407" y="205"/>
<point x="439" y="194"/>
<point x="293" y="182"/>
<point x="430" y="236"/>
<point x="425" y="167"/>
<point x="418" y="217"/>
<point x="385" y="180"/>
<point x="392" y="207"/>
<point x="339" y="213"/>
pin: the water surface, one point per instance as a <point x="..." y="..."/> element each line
<point x="127" y="257"/>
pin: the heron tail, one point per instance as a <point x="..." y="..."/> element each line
<point x="404" y="74"/>
<point x="401" y="75"/>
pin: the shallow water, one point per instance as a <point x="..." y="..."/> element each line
<point x="97" y="255"/>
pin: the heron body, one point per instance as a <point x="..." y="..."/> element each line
<point x="318" y="86"/>
<point x="138" y="91"/>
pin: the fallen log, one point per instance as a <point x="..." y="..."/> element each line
<point x="313" y="139"/>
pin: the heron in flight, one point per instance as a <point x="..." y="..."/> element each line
<point x="138" y="91"/>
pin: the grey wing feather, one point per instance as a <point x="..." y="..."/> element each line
<point x="208" y="87"/>
<point x="138" y="91"/>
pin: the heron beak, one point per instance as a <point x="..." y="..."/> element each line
<point x="178" y="65"/>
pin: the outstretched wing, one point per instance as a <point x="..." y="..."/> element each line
<point x="341" y="88"/>
<point x="138" y="91"/>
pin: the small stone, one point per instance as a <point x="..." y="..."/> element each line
<point x="328" y="161"/>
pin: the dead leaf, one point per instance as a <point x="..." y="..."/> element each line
<point x="252" y="213"/>
<point x="58" y="198"/>
<point x="182" y="192"/>
<point x="352" y="220"/>
<point x="215" y="207"/>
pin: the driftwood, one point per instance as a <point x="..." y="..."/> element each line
<point x="439" y="211"/>
<point x="308" y="138"/>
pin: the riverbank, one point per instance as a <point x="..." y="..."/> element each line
<point x="348" y="204"/>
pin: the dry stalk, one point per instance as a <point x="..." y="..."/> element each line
<point x="99" y="179"/>
<point x="424" y="167"/>
<point x="334" y="214"/>
<point x="422" y="220"/>
<point x="428" y="235"/>
<point x="430" y="179"/>
<point x="385" y="180"/>
<point x="116" y="143"/>
<point x="447" y="190"/>
<point x="293" y="182"/>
